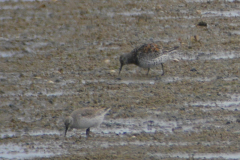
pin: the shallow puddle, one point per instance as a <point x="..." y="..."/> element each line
<point x="31" y="133"/>
<point x="24" y="155"/>
<point x="232" y="104"/>
<point x="134" y="81"/>
<point x="233" y="13"/>
<point x="7" y="54"/>
<point x="198" y="155"/>
<point x="135" y="13"/>
<point x="199" y="1"/>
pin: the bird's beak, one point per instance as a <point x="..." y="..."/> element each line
<point x="66" y="128"/>
<point x="120" y="69"/>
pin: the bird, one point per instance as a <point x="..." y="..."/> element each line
<point x="148" y="56"/>
<point x="85" y="118"/>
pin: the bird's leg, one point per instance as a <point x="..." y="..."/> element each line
<point x="162" y="69"/>
<point x="120" y="69"/>
<point x="148" y="71"/>
<point x="88" y="132"/>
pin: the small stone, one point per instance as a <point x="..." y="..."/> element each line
<point x="57" y="81"/>
<point x="193" y="70"/>
<point x="50" y="81"/>
<point x="37" y="77"/>
<point x="228" y="122"/>
<point x="198" y="11"/>
<point x="60" y="70"/>
<point x="112" y="71"/>
<point x="107" y="61"/>
<point x="21" y="75"/>
<point x="203" y="24"/>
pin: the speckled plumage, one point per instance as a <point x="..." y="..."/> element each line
<point x="85" y="118"/>
<point x="147" y="56"/>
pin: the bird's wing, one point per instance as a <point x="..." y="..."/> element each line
<point x="153" y="51"/>
<point x="148" y="51"/>
<point x="88" y="112"/>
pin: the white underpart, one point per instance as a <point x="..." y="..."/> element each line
<point x="145" y="63"/>
<point x="86" y="122"/>
<point x="81" y="122"/>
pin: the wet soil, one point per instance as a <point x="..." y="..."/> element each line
<point x="57" y="56"/>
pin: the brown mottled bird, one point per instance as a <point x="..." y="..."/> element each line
<point x="85" y="118"/>
<point x="147" y="56"/>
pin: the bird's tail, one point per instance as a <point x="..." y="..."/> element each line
<point x="107" y="109"/>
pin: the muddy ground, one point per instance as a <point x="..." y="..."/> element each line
<point x="57" y="56"/>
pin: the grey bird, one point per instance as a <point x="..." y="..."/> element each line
<point x="147" y="56"/>
<point x="85" y="118"/>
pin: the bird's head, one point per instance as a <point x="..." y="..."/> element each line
<point x="124" y="59"/>
<point x="68" y="123"/>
